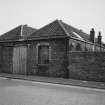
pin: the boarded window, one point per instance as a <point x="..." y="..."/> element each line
<point x="71" y="47"/>
<point x="43" y="54"/>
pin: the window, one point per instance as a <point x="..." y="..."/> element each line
<point x="71" y="47"/>
<point x="43" y="53"/>
<point x="78" y="47"/>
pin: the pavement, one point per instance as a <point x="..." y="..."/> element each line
<point x="23" y="92"/>
<point x="62" y="81"/>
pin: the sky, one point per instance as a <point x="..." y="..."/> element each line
<point x="82" y="14"/>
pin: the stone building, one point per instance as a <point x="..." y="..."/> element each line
<point x="25" y="50"/>
<point x="12" y="47"/>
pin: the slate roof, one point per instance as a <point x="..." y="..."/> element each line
<point x="58" y="28"/>
<point x="55" y="29"/>
<point x="21" y="31"/>
<point x="79" y="33"/>
<point x="76" y="33"/>
<point x="27" y="31"/>
<point x="51" y="30"/>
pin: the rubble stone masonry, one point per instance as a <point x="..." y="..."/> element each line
<point x="87" y="66"/>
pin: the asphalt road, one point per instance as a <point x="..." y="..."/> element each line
<point x="21" y="92"/>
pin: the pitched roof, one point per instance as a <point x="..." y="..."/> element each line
<point x="27" y="31"/>
<point x="58" y="28"/>
<point x="78" y="34"/>
<point x="55" y="29"/>
<point x="51" y="30"/>
<point x="17" y="33"/>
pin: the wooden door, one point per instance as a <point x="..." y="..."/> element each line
<point x="20" y="60"/>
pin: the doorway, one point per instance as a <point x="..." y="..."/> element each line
<point x="43" y="59"/>
<point x="20" y="60"/>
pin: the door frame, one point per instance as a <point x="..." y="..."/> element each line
<point x="41" y="67"/>
<point x="17" y="46"/>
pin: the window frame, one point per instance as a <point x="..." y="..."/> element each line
<point x="37" y="52"/>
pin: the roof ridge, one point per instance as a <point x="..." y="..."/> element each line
<point x="61" y="25"/>
<point x="56" y="20"/>
<point x="77" y="29"/>
<point x="65" y="30"/>
<point x="21" y="31"/>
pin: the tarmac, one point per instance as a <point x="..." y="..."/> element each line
<point x="62" y="81"/>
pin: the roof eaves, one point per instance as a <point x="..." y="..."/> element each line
<point x="53" y="37"/>
<point x="9" y="40"/>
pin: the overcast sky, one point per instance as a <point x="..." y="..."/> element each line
<point x="82" y="14"/>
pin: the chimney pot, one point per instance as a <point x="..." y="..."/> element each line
<point x="92" y="35"/>
<point x="99" y="38"/>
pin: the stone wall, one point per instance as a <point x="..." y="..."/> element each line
<point x="87" y="66"/>
<point x="7" y="54"/>
<point x="0" y="58"/>
<point x="56" y="64"/>
<point x="76" y="65"/>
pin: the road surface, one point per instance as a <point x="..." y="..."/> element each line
<point x="21" y="92"/>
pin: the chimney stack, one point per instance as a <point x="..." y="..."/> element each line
<point x="99" y="38"/>
<point x="92" y="35"/>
